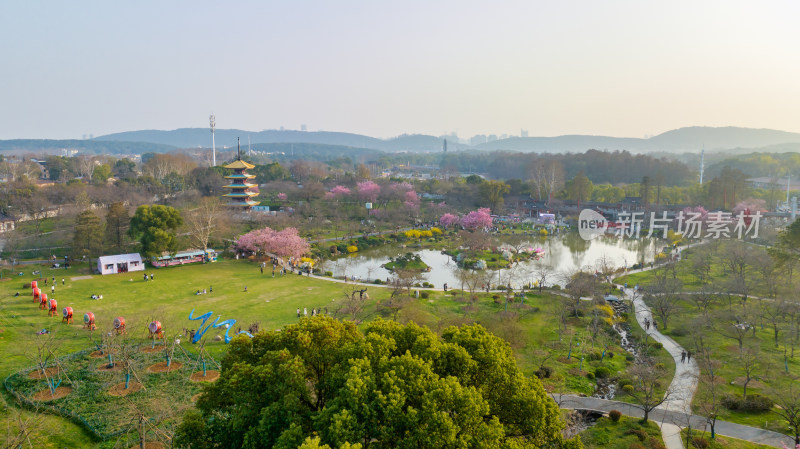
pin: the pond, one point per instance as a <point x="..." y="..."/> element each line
<point x="564" y="254"/>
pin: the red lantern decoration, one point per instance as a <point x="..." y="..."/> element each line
<point x="88" y="321"/>
<point x="53" y="308"/>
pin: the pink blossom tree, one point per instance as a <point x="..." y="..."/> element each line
<point x="285" y="243"/>
<point x="750" y="206"/>
<point x="700" y="211"/>
<point x="411" y="199"/>
<point x="448" y="220"/>
<point x="340" y="191"/>
<point x="477" y="219"/>
<point x="282" y="196"/>
<point x="402" y="186"/>
<point x="368" y="191"/>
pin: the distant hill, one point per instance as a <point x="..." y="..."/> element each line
<point x="683" y="139"/>
<point x="84" y="146"/>
<point x="729" y="139"/>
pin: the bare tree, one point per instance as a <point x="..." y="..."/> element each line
<point x="646" y="388"/>
<point x="788" y="407"/>
<point x="542" y="273"/>
<point x="711" y="393"/>
<point x="750" y="363"/>
<point x="665" y="293"/>
<point x="204" y="221"/>
<point x="734" y="326"/>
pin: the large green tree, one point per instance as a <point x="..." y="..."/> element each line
<point x="154" y="227"/>
<point x="392" y="386"/>
<point x="88" y="238"/>
<point x="492" y="193"/>
<point x="117" y="222"/>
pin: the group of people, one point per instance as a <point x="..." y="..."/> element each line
<point x="314" y="312"/>
<point x="203" y="292"/>
<point x="647" y="324"/>
<point x="145" y="276"/>
<point x="686" y="356"/>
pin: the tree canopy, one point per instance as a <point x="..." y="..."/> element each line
<point x="323" y="382"/>
<point x="154" y="227"/>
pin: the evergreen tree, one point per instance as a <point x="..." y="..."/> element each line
<point x="117" y="223"/>
<point x="154" y="227"/>
<point x="87" y="240"/>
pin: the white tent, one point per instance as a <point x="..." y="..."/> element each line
<point x="120" y="263"/>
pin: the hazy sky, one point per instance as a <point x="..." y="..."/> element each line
<point x="621" y="68"/>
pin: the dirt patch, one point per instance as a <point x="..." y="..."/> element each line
<point x="45" y="395"/>
<point x="120" y="390"/>
<point x="161" y="367"/>
<point x="104" y="368"/>
<point x="211" y="376"/>
<point x="566" y="360"/>
<point x="150" y="445"/>
<point x="50" y="372"/>
<point x="79" y="278"/>
<point x="196" y="397"/>
<point x="150" y="349"/>
<point x="99" y="353"/>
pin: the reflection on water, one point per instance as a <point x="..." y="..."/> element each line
<point x="565" y="254"/>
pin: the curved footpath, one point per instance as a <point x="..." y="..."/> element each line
<point x="676" y="419"/>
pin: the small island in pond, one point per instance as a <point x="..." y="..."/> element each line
<point x="408" y="261"/>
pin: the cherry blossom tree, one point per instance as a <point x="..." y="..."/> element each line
<point x="750" y="206"/>
<point x="411" y="199"/>
<point x="368" y="191"/>
<point x="448" y="220"/>
<point x="477" y="219"/>
<point x="340" y="191"/>
<point x="285" y="243"/>
<point x="282" y="196"/>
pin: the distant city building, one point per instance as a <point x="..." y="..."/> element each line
<point x="303" y="127"/>
<point x="491" y="138"/>
<point x="477" y="140"/>
<point x="444" y="146"/>
<point x="523" y="133"/>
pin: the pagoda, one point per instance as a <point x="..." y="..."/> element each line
<point x="240" y="194"/>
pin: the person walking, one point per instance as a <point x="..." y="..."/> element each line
<point x="151" y="276"/>
<point x="305" y="311"/>
<point x="646" y="324"/>
<point x="62" y="281"/>
<point x="298" y="312"/>
<point x="262" y="269"/>
<point x="683" y="356"/>
<point x="245" y="289"/>
<point x="688" y="356"/>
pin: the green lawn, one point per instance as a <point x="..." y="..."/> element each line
<point x="628" y="433"/>
<point x="720" y="442"/>
<point x="272" y="302"/>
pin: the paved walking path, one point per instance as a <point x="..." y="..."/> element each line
<point x="684" y="384"/>
<point x="677" y="420"/>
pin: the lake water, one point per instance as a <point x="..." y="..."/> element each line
<point x="564" y="254"/>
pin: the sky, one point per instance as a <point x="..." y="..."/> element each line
<point x="618" y="68"/>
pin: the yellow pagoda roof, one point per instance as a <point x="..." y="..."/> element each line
<point x="239" y="164"/>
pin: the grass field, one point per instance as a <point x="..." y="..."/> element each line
<point x="627" y="433"/>
<point x="272" y="302"/>
<point x="686" y="323"/>
<point x="720" y="442"/>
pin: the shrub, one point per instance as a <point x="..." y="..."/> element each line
<point x="495" y="296"/>
<point x="594" y="355"/>
<point x="615" y="415"/>
<point x="377" y="282"/>
<point x="758" y="403"/>
<point x="640" y="434"/>
<point x="657" y="345"/>
<point x="699" y="442"/>
<point x="543" y="372"/>
<point x="556" y="287"/>
<point x="679" y="332"/>
<point x="424" y="295"/>
<point x="590" y="375"/>
<point x="329" y="273"/>
<point x="602" y="372"/>
<point x="352" y="249"/>
<point x="453" y="292"/>
<point x="629" y="357"/>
